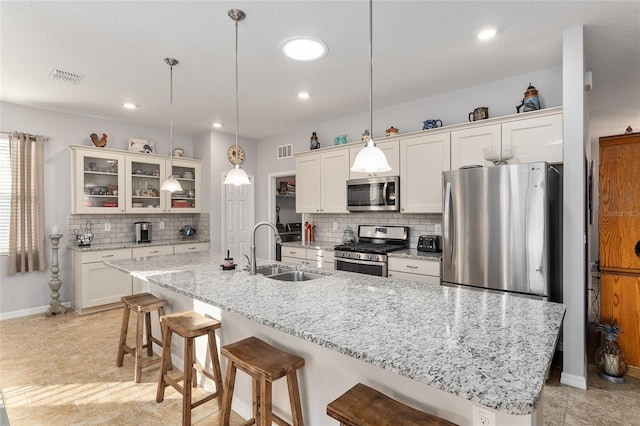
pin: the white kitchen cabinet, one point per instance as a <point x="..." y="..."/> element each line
<point x="144" y="175"/>
<point x="391" y="150"/>
<point x="189" y="173"/>
<point x="321" y="181"/>
<point x="467" y="145"/>
<point x="310" y="257"/>
<point x="190" y="248"/>
<point x="97" y="286"/>
<point x="294" y="255"/>
<point x="422" y="161"/>
<point x="139" y="285"/>
<point x="423" y="271"/>
<point x="534" y="139"/>
<point x="97" y="183"/>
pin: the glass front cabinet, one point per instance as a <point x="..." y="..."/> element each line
<point x="109" y="181"/>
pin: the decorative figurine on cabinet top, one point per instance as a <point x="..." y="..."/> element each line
<point x="391" y="131"/>
<point x="531" y="101"/>
<point x="100" y="143"/>
<point x="314" y="144"/>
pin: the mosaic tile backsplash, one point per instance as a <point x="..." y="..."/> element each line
<point x="122" y="226"/>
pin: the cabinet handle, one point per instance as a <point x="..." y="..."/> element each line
<point x="411" y="267"/>
<point x="191" y="248"/>
<point x="108" y="255"/>
<point x="292" y="252"/>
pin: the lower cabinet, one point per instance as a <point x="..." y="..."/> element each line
<point x="140" y="285"/>
<point x="423" y="271"/>
<point x="190" y="248"/>
<point x="310" y="257"/>
<point x="96" y="286"/>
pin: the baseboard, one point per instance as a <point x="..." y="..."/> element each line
<point x="573" y="380"/>
<point x="30" y="311"/>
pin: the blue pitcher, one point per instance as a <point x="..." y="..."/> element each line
<point x="340" y="140"/>
<point x="431" y="124"/>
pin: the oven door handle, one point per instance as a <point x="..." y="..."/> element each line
<point x="361" y="262"/>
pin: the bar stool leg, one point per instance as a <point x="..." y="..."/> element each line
<point x="138" y="359"/>
<point x="265" y="402"/>
<point x="215" y="362"/>
<point x="123" y="335"/>
<point x="294" y="398"/>
<point x="255" y="390"/>
<point x="165" y="361"/>
<point x="187" y="384"/>
<point x="147" y="324"/>
<point x="228" y="393"/>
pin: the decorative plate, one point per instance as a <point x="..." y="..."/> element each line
<point x="141" y="145"/>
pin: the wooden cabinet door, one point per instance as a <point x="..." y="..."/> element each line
<point x="308" y="184"/>
<point x="467" y="145"/>
<point x="620" y="203"/>
<point x="334" y="172"/>
<point x="534" y="139"/>
<point x="620" y="303"/>
<point x="422" y="161"/>
<point x="391" y="150"/>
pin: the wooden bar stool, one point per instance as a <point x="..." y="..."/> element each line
<point x="362" y="405"/>
<point x="189" y="325"/>
<point x="265" y="364"/>
<point x="142" y="304"/>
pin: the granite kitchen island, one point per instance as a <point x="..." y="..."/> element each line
<point x="440" y="349"/>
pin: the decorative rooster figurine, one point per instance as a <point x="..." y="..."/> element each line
<point x="100" y="143"/>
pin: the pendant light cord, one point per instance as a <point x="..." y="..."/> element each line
<point x="370" y="70"/>
<point x="171" y="117"/>
<point x="237" y="91"/>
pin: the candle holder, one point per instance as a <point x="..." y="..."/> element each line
<point x="610" y="358"/>
<point x="54" y="284"/>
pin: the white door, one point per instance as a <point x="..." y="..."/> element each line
<point x="237" y="220"/>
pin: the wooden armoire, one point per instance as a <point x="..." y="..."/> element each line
<point x="619" y="191"/>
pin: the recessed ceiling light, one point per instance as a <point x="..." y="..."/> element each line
<point x="217" y="125"/>
<point x="487" y="33"/>
<point x="304" y="48"/>
<point x="303" y="95"/>
<point x="130" y="106"/>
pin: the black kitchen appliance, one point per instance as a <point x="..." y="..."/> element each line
<point x="430" y="243"/>
<point x="369" y="254"/>
<point x="288" y="232"/>
<point x="143" y="232"/>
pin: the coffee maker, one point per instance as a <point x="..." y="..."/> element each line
<point x="143" y="232"/>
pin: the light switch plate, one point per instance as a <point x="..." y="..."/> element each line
<point x="161" y="225"/>
<point x="107" y="226"/>
<point x="438" y="229"/>
<point x="335" y="226"/>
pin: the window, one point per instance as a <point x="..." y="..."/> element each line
<point x="5" y="193"/>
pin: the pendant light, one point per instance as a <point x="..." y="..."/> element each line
<point x="171" y="184"/>
<point x="237" y="176"/>
<point x="371" y="158"/>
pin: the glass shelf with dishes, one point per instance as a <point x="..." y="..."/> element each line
<point x="188" y="173"/>
<point x="97" y="183"/>
<point x="145" y="174"/>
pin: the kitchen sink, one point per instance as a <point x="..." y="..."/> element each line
<point x="295" y="276"/>
<point x="272" y="270"/>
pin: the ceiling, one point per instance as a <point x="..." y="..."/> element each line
<point x="421" y="48"/>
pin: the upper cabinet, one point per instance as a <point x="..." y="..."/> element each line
<point x="422" y="161"/>
<point x="111" y="181"/>
<point x="321" y="181"/>
<point x="467" y="145"/>
<point x="391" y="150"/>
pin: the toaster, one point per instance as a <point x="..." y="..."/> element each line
<point x="430" y="243"/>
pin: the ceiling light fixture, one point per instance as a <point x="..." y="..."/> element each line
<point x="217" y="125"/>
<point x="130" y="106"/>
<point x="370" y="159"/>
<point x="487" y="33"/>
<point x="171" y="184"/>
<point x="304" y="48"/>
<point x="237" y="176"/>
<point x="303" y="95"/>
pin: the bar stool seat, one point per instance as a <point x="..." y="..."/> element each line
<point x="265" y="364"/>
<point x="142" y="304"/>
<point x="362" y="405"/>
<point x="189" y="325"/>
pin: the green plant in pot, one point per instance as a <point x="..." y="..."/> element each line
<point x="610" y="358"/>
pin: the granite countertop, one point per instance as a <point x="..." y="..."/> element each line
<point x="131" y="244"/>
<point x="415" y="254"/>
<point x="316" y="245"/>
<point x="491" y="349"/>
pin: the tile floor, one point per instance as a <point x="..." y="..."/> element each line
<point x="61" y="371"/>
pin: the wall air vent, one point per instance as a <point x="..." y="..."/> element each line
<point x="64" y="76"/>
<point x="285" y="151"/>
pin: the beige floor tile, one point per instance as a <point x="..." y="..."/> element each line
<point x="106" y="404"/>
<point x="214" y="420"/>
<point x="52" y="395"/>
<point x="601" y="408"/>
<point x="57" y="416"/>
<point x="17" y="405"/>
<point x="124" y="419"/>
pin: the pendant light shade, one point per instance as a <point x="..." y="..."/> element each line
<point x="237" y="176"/>
<point x="371" y="158"/>
<point x="171" y="184"/>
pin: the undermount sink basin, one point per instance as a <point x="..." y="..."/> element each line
<point x="272" y="270"/>
<point x="295" y="276"/>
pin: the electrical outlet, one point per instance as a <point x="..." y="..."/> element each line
<point x="161" y="225"/>
<point x="335" y="226"/>
<point x="107" y="226"/>
<point x="438" y="229"/>
<point x="483" y="416"/>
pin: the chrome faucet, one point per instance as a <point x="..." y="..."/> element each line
<point x="252" y="262"/>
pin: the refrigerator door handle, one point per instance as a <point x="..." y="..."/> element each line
<point x="534" y="239"/>
<point x="448" y="223"/>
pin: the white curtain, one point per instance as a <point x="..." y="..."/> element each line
<point x="26" y="235"/>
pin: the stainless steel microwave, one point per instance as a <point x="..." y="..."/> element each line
<point x="373" y="194"/>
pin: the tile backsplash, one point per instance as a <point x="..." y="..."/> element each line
<point x="122" y="226"/>
<point x="419" y="224"/>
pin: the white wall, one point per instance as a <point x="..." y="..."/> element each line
<point x="25" y="291"/>
<point x="452" y="108"/>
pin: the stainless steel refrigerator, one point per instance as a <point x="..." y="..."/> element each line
<point x="502" y="229"/>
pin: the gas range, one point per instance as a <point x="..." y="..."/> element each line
<point x="369" y="254"/>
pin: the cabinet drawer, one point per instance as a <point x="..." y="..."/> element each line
<point x="429" y="279"/>
<point x="104" y="255"/>
<point x="321" y="259"/>
<point x="414" y="266"/>
<point x="297" y="252"/>
<point x="293" y="260"/>
<point x="152" y="251"/>
<point x="190" y="248"/>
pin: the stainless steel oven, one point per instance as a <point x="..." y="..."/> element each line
<point x="370" y="267"/>
<point x="373" y="194"/>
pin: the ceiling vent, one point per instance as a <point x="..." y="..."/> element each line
<point x="64" y="76"/>
<point x="285" y="151"/>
